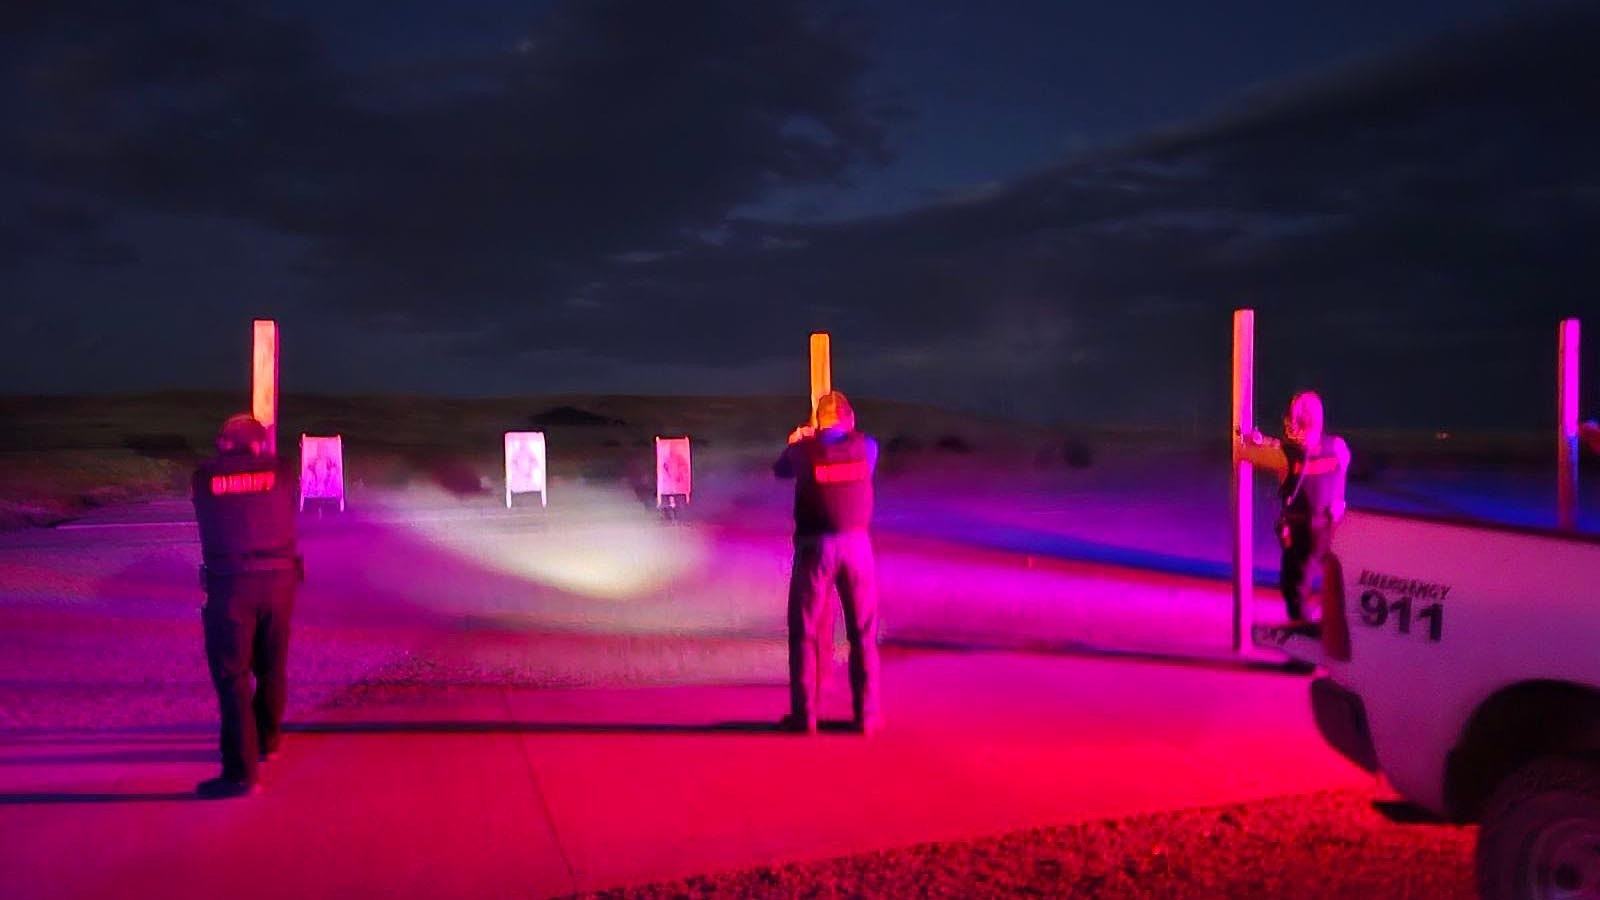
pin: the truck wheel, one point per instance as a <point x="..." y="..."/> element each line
<point x="1541" y="833"/>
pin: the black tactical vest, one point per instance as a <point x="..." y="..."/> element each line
<point x="245" y="506"/>
<point x="833" y="486"/>
<point x="1310" y="498"/>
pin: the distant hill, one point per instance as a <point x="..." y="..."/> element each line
<point x="169" y="421"/>
<point x="570" y="415"/>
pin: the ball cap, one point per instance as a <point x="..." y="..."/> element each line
<point x="239" y="432"/>
<point x="833" y="410"/>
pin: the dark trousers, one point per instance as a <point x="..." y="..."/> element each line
<point x="1302" y="561"/>
<point x="822" y="564"/>
<point x="247" y="634"/>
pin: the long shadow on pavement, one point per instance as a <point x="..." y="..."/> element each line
<point x="1196" y="658"/>
<point x="500" y="727"/>
<point x="1402" y="812"/>
<point x="144" y="734"/>
<point x="121" y="756"/>
<point x="26" y="799"/>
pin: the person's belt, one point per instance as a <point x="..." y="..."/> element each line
<point x="818" y="535"/>
<point x="1303" y="517"/>
<point x="255" y="561"/>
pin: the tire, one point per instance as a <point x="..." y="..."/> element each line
<point x="1541" y="833"/>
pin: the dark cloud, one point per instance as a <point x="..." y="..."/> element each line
<point x="564" y="209"/>
<point x="611" y="127"/>
<point x="1410" y="228"/>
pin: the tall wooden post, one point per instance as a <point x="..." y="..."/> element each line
<point x="821" y="370"/>
<point x="1244" y="351"/>
<point x="1567" y="423"/>
<point x="264" y="380"/>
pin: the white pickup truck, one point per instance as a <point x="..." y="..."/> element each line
<point x="1462" y="660"/>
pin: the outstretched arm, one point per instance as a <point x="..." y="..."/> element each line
<point x="785" y="466"/>
<point x="1341" y="461"/>
<point x="1326" y="465"/>
<point x="1260" y="450"/>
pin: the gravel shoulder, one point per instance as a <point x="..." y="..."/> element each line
<point x="1340" y="845"/>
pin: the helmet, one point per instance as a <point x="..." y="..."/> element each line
<point x="833" y="411"/>
<point x="241" y="433"/>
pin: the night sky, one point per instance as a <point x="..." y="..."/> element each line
<point x="1038" y="210"/>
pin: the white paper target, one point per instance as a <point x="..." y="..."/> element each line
<point x="321" y="468"/>
<point x="672" y="467"/>
<point x="525" y="463"/>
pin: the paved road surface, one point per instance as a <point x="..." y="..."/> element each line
<point x="532" y="705"/>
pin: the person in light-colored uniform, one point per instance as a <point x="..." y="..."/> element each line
<point x="1313" y="467"/>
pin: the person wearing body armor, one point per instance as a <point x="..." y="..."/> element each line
<point x="832" y="465"/>
<point x="1313" y="467"/>
<point x="244" y="502"/>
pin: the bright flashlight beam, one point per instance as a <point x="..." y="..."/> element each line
<point x="601" y="545"/>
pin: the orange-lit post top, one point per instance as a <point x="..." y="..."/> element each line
<point x="264" y="380"/>
<point x="821" y="370"/>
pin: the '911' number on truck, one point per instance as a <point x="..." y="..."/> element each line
<point x="1376" y="610"/>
